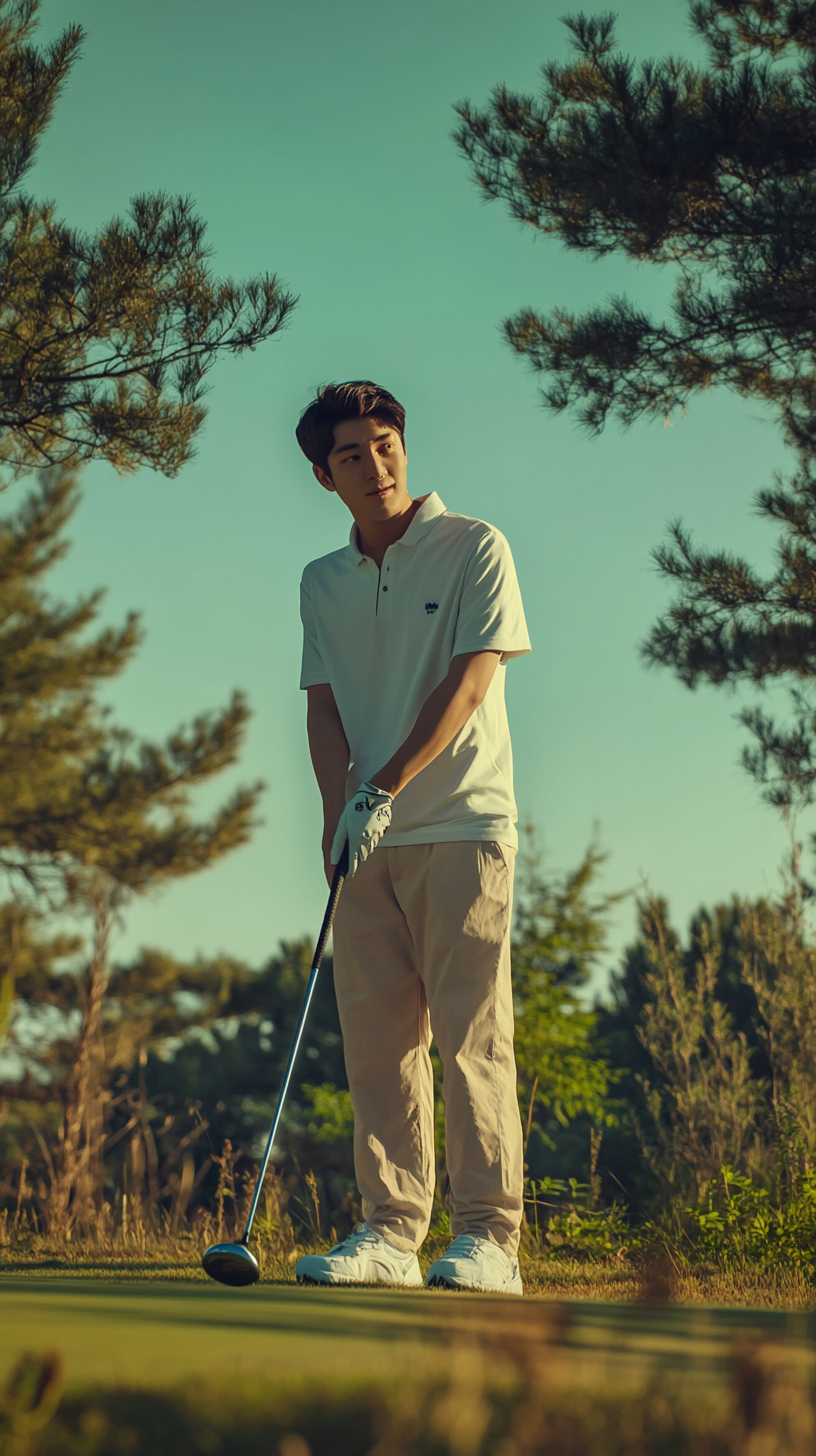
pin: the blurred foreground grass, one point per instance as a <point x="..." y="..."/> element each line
<point x="283" y="1371"/>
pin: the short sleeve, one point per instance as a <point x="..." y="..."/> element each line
<point x="491" y="614"/>
<point x="312" y="670"/>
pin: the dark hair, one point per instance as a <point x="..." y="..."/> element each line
<point x="350" y="401"/>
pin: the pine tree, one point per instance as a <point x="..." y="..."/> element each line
<point x="79" y="795"/>
<point x="712" y="171"/>
<point x="703" y="1105"/>
<point x="717" y="1036"/>
<point x="708" y="170"/>
<point x="187" y="1056"/>
<point x="106" y="344"/>
<point x="89" y="816"/>
<point x="81" y="1051"/>
<point x="107" y="339"/>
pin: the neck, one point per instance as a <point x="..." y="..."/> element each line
<point x="375" y="537"/>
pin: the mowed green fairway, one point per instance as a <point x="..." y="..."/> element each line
<point x="159" y="1335"/>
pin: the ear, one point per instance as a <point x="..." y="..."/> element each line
<point x="324" y="478"/>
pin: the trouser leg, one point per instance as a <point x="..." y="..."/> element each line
<point x="386" y="1038"/>
<point x="457" y="899"/>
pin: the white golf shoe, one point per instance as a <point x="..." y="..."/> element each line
<point x="477" y="1264"/>
<point x="365" y="1257"/>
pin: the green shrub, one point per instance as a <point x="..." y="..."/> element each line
<point x="740" y="1225"/>
<point x="574" y="1225"/>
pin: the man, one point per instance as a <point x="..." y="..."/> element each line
<point x="406" y="634"/>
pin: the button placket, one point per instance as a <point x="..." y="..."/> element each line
<point x="372" y="570"/>
<point x="386" y="585"/>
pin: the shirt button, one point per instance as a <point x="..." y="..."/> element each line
<point x="385" y="588"/>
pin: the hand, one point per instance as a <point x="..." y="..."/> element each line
<point x="363" y="823"/>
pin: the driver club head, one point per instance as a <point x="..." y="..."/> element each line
<point x="231" y="1264"/>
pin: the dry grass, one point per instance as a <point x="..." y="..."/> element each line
<point x="562" y="1279"/>
<point x="118" y="1256"/>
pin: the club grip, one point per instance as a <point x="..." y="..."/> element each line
<point x="340" y="872"/>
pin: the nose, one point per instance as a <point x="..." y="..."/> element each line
<point x="377" y="470"/>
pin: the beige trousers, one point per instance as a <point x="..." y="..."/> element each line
<point x="421" y="941"/>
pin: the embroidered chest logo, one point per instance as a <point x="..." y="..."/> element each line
<point x="431" y="607"/>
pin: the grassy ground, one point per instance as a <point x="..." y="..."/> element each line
<point x="178" y="1259"/>
<point x="160" y="1334"/>
<point x="275" y="1369"/>
<point x="153" y="1359"/>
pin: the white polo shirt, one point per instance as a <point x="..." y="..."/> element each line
<point x="384" y="639"/>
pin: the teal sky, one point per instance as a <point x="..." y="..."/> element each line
<point x="315" y="139"/>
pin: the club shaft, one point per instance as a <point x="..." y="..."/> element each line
<point x="325" y="931"/>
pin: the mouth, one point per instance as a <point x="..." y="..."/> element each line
<point x="383" y="490"/>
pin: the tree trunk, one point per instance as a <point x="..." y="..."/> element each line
<point x="7" y="979"/>
<point x="72" y="1195"/>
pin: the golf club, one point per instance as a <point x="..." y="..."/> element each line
<point x="235" y="1264"/>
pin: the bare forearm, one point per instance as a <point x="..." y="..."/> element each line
<point x="444" y="714"/>
<point x="330" y="760"/>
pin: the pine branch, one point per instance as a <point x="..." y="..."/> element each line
<point x="105" y="341"/>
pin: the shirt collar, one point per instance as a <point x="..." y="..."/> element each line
<point x="430" y="510"/>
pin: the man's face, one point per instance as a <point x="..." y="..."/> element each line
<point x="368" y="470"/>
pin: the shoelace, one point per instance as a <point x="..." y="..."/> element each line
<point x="464" y="1246"/>
<point x="358" y="1239"/>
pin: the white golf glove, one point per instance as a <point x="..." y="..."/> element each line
<point x="363" y="823"/>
